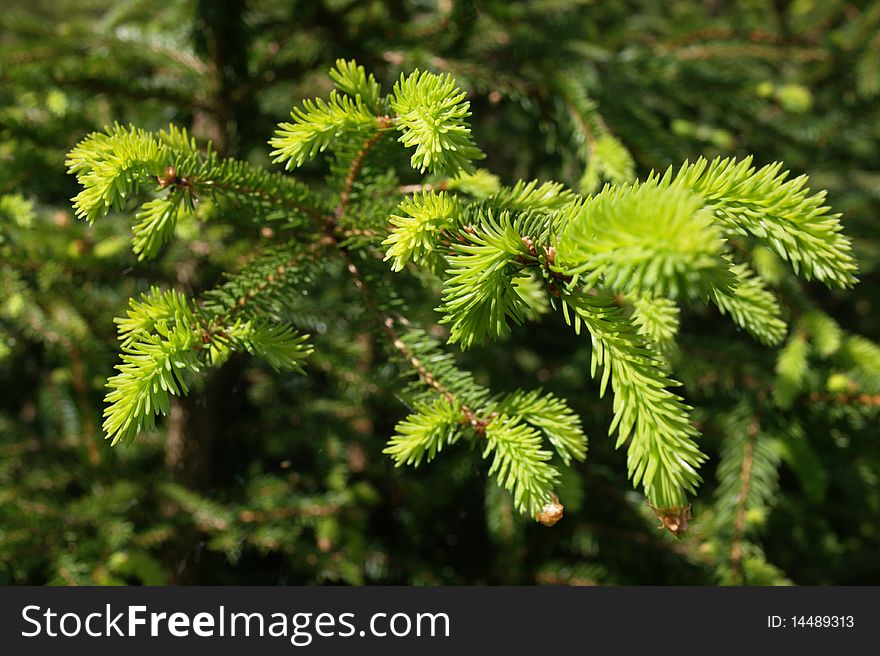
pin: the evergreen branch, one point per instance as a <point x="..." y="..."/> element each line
<point x="752" y="306"/>
<point x="152" y="370"/>
<point x="480" y="296"/>
<point x="662" y="454"/>
<point x="425" y="432"/>
<point x="445" y="376"/>
<point x="431" y="113"/>
<point x="480" y="184"/>
<point x="113" y="167"/>
<point x="280" y="346"/>
<point x="779" y="212"/>
<point x="353" y="80"/>
<point x="160" y="343"/>
<point x="270" y="282"/>
<point x="644" y="239"/>
<point x="318" y="125"/>
<point x="156" y="221"/>
<point x="110" y="166"/>
<point x="143" y="316"/>
<point x="259" y="189"/>
<point x="544" y="197"/>
<point x="657" y="319"/>
<point x="550" y="415"/>
<point x="387" y="325"/>
<point x="416" y="229"/>
<point x="519" y="463"/>
<point x="358" y="162"/>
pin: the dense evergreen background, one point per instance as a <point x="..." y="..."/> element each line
<point x="266" y="478"/>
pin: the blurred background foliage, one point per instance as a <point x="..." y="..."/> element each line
<point x="270" y="478"/>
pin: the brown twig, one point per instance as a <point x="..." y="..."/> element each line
<point x="740" y="522"/>
<point x="388" y="327"/>
<point x="420" y="188"/>
<point x="240" y="189"/>
<point x="358" y="163"/>
<point x="383" y="319"/>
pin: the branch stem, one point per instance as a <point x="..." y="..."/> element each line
<point x="740" y="522"/>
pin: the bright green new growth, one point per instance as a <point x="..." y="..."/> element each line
<point x="677" y="253"/>
<point x="162" y="338"/>
<point x="662" y="453"/>
<point x="157" y="351"/>
<point x="617" y="264"/>
<point x="777" y="211"/>
<point x="416" y="227"/>
<point x="480" y="295"/>
<point x="513" y="426"/>
<point x="353" y="80"/>
<point x="657" y="319"/>
<point x="424" y="433"/>
<point x="318" y="125"/>
<point x="431" y="113"/>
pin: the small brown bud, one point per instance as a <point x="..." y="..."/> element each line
<point x="675" y="519"/>
<point x="169" y="178"/>
<point x="551" y="512"/>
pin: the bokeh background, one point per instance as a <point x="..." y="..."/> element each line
<point x="270" y="478"/>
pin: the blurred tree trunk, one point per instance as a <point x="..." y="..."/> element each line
<point x="222" y="39"/>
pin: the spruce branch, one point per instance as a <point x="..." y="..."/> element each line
<point x="352" y="79"/>
<point x="752" y="306"/>
<point x="153" y="369"/>
<point x="424" y="433"/>
<point x="662" y="453"/>
<point x="267" y="284"/>
<point x="480" y="295"/>
<point x="115" y="166"/>
<point x="387" y="324"/>
<point x="518" y="461"/>
<point x="504" y="254"/>
<point x="318" y="125"/>
<point x="143" y="315"/>
<point x="416" y="229"/>
<point x="657" y="319"/>
<point x="358" y="162"/>
<point x="647" y="240"/>
<point x="778" y="211"/>
<point x="431" y="113"/>
<point x="748" y="472"/>
<point x="550" y="415"/>
<point x="520" y="464"/>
